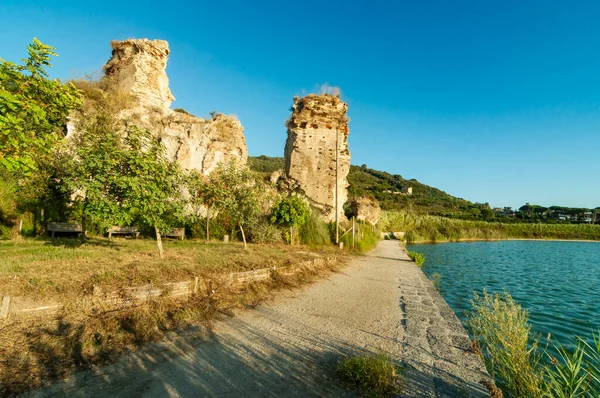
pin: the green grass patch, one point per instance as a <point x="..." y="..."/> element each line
<point x="377" y="375"/>
<point x="417" y="257"/>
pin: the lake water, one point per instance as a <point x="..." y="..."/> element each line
<point x="558" y="282"/>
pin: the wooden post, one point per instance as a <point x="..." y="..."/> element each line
<point x="20" y="226"/>
<point x="353" y="231"/>
<point x="337" y="221"/>
<point x="196" y="281"/>
<point x="4" y="307"/>
<point x="207" y="223"/>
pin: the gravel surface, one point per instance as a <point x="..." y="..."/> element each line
<point x="290" y="347"/>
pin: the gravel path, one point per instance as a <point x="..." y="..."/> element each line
<point x="381" y="302"/>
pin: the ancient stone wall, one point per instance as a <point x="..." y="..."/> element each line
<point x="138" y="68"/>
<point x="318" y="123"/>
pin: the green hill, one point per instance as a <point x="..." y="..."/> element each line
<point x="390" y="190"/>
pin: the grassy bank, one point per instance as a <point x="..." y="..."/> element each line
<point x="422" y="228"/>
<point x="66" y="269"/>
<point x="34" y="350"/>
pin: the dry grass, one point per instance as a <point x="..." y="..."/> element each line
<point x="34" y="351"/>
<point x="65" y="269"/>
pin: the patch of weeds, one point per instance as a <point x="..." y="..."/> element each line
<point x="417" y="257"/>
<point x="436" y="279"/>
<point x="376" y="375"/>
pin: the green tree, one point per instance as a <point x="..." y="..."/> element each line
<point x="33" y="108"/>
<point x="123" y="178"/>
<point x="290" y="212"/>
<point x="235" y="191"/>
<point x="97" y="174"/>
<point x="203" y="194"/>
<point x="487" y="214"/>
<point x="153" y="184"/>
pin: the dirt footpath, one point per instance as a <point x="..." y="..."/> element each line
<point x="290" y="347"/>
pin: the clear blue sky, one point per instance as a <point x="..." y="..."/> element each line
<point x="491" y="101"/>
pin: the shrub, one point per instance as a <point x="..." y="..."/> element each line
<point x="262" y="231"/>
<point x="417" y="257"/>
<point x="377" y="375"/>
<point x="314" y="231"/>
<point x="290" y="212"/>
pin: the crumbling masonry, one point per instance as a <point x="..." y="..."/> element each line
<point x="318" y="123"/>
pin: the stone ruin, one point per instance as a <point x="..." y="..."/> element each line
<point x="316" y="124"/>
<point x="366" y="209"/>
<point x="138" y="68"/>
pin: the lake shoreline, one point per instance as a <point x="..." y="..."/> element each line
<point x="418" y="242"/>
<point x="556" y="282"/>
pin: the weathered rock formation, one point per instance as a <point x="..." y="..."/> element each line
<point x="317" y="126"/>
<point x="138" y="66"/>
<point x="201" y="144"/>
<point x="366" y="209"/>
<point x="138" y="69"/>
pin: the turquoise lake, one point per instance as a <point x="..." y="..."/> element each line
<point x="557" y="282"/>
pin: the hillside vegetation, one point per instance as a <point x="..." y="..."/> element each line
<point x="421" y="228"/>
<point x="389" y="190"/>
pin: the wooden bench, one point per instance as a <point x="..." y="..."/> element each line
<point x="176" y="233"/>
<point x="120" y="230"/>
<point x="64" y="227"/>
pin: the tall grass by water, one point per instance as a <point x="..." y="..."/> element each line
<point x="424" y="228"/>
<point x="517" y="361"/>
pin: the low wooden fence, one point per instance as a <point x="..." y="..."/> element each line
<point x="19" y="306"/>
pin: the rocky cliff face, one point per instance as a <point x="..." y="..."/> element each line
<point x="138" y="68"/>
<point x="318" y="123"/>
<point x="366" y="209"/>
<point x="202" y="144"/>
